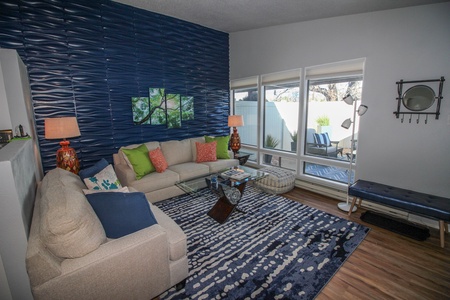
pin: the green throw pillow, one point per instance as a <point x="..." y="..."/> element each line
<point x="222" y="145"/>
<point x="140" y="160"/>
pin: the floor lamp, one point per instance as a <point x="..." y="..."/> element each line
<point x="345" y="206"/>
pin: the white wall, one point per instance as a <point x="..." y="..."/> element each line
<point x="410" y="44"/>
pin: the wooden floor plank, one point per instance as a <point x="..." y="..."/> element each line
<point x="386" y="265"/>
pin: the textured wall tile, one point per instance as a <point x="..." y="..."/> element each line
<point x="88" y="58"/>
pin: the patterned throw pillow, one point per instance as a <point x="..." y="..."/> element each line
<point x="222" y="145"/>
<point x="206" y="151"/>
<point x="122" y="190"/>
<point x="158" y="160"/>
<point x="106" y="179"/>
<point x="322" y="139"/>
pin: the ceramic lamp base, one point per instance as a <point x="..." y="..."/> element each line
<point x="235" y="141"/>
<point x="66" y="158"/>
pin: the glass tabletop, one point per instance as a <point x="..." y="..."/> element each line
<point x="193" y="185"/>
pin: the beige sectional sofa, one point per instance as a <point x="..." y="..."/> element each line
<point x="181" y="156"/>
<point x="70" y="257"/>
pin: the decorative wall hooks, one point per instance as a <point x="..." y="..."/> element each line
<point x="418" y="99"/>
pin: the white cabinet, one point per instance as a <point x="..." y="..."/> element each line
<point x="20" y="170"/>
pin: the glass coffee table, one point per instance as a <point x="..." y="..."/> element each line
<point x="228" y="189"/>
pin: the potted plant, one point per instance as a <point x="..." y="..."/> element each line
<point x="323" y="123"/>
<point x="270" y="143"/>
<point x="294" y="140"/>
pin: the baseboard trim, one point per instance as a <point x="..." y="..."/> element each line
<point x="323" y="190"/>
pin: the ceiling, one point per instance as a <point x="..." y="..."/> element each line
<point x="238" y="15"/>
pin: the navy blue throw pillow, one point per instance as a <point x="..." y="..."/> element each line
<point x="91" y="171"/>
<point x="122" y="213"/>
<point x="322" y="139"/>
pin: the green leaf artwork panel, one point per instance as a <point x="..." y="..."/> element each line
<point x="173" y="102"/>
<point x="187" y="108"/>
<point x="162" y="109"/>
<point x="141" y="110"/>
<point x="157" y="106"/>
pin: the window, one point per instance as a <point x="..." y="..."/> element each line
<point x="282" y="114"/>
<point x="281" y="107"/>
<point x="246" y="104"/>
<point x="328" y="147"/>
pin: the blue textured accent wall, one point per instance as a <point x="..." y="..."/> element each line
<point x="88" y="58"/>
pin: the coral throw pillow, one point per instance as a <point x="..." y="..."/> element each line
<point x="158" y="160"/>
<point x="206" y="151"/>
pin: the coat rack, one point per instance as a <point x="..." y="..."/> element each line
<point x="417" y="99"/>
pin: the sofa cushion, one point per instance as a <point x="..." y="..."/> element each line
<point x="206" y="152"/>
<point x="222" y="145"/>
<point x="158" y="160"/>
<point x="177" y="152"/>
<point x="69" y="226"/>
<point x="155" y="181"/>
<point x="106" y="179"/>
<point x="220" y="164"/>
<point x="140" y="160"/>
<point x="122" y="213"/>
<point x="190" y="170"/>
<point x="91" y="171"/>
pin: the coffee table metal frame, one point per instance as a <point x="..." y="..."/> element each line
<point x="225" y="204"/>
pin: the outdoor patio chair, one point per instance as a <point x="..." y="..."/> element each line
<point x="321" y="144"/>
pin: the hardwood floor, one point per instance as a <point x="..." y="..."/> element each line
<point x="385" y="265"/>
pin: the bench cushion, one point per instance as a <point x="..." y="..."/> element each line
<point x="420" y="203"/>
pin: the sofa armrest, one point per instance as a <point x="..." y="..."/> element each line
<point x="135" y="266"/>
<point x="125" y="174"/>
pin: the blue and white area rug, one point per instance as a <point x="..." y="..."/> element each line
<point x="277" y="249"/>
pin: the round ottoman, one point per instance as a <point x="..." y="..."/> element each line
<point x="277" y="182"/>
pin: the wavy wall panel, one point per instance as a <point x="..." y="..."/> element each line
<point x="88" y="58"/>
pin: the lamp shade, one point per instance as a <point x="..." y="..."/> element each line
<point x="362" y="109"/>
<point x="347" y="123"/>
<point x="61" y="128"/>
<point x="235" y="121"/>
<point x="349" y="99"/>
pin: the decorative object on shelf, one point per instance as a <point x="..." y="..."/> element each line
<point x="235" y="140"/>
<point x="63" y="128"/>
<point x="418" y="98"/>
<point x="362" y="109"/>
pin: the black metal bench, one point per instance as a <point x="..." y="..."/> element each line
<point x="418" y="203"/>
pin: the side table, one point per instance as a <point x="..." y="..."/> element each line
<point x="242" y="157"/>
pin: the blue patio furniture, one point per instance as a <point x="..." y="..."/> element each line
<point x="320" y="144"/>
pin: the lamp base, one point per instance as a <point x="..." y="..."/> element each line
<point x="346" y="207"/>
<point x="235" y="141"/>
<point x="66" y="158"/>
